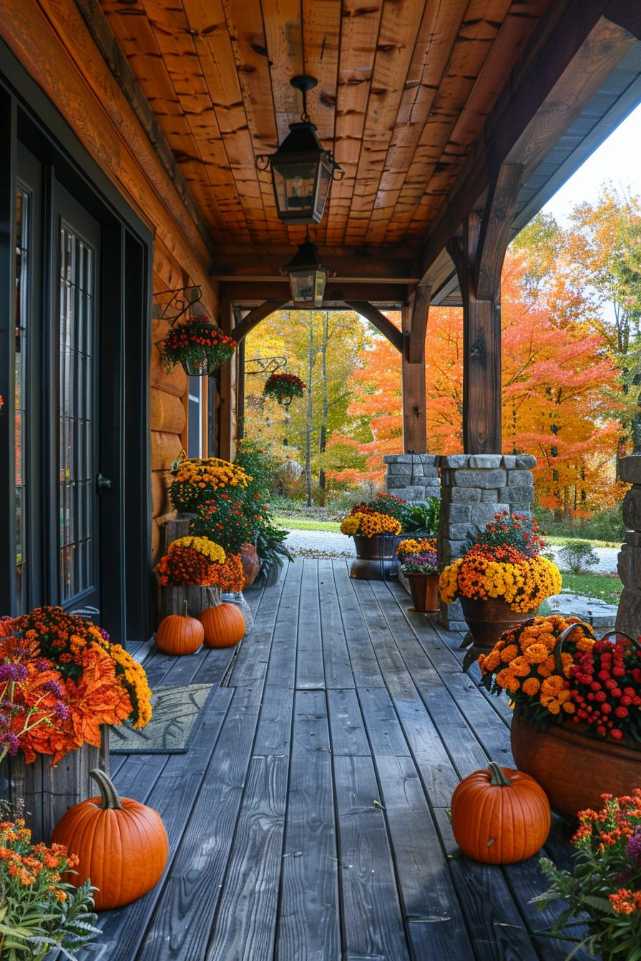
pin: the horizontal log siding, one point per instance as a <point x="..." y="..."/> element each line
<point x="52" y="42"/>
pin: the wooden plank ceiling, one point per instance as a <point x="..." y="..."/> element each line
<point x="404" y="88"/>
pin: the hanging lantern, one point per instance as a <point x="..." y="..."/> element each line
<point x="307" y="277"/>
<point x="302" y="171"/>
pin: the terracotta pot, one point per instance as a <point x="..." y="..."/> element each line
<point x="487" y="620"/>
<point x="573" y="769"/>
<point x="251" y="563"/>
<point x="424" y="588"/>
<point x="376" y="558"/>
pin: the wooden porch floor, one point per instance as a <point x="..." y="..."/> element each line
<point x="309" y="820"/>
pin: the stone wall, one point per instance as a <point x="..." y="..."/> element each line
<point x="629" y="561"/>
<point x="414" y="477"/>
<point x="474" y="487"/>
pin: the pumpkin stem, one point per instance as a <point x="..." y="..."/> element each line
<point x="108" y="793"/>
<point x="186" y="607"/>
<point x="498" y="778"/>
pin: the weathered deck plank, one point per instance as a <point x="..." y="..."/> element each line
<point x="309" y="820"/>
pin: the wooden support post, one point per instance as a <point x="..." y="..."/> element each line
<point x="478" y="252"/>
<point x="414" y="395"/>
<point x="226" y="381"/>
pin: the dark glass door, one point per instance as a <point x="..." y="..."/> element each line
<point x="75" y="387"/>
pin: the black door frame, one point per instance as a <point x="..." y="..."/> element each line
<point x="28" y="116"/>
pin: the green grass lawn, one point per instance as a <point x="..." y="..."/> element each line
<point x="298" y="523"/>
<point x="560" y="541"/>
<point x="606" y="587"/>
<point x="305" y="524"/>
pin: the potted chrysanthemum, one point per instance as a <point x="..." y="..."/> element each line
<point x="284" y="388"/>
<point x="502" y="579"/>
<point x="576" y="723"/>
<point x="375" y="526"/>
<point x="419" y="564"/>
<point x="198" y="345"/>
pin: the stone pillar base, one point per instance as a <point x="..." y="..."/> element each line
<point x="629" y="561"/>
<point x="414" y="477"/>
<point x="474" y="487"/>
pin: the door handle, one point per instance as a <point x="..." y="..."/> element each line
<point x="103" y="483"/>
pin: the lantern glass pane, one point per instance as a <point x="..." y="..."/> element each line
<point x="302" y="287"/>
<point x="294" y="185"/>
<point x="324" y="183"/>
<point x="320" y="281"/>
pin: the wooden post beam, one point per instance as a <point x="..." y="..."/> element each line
<point x="226" y="388"/>
<point x="379" y="320"/>
<point x="419" y="305"/>
<point x="414" y="394"/>
<point x="478" y="252"/>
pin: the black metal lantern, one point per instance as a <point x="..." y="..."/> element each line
<point x="302" y="171"/>
<point x="307" y="277"/>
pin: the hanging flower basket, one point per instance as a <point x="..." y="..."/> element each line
<point x="200" y="347"/>
<point x="284" y="388"/>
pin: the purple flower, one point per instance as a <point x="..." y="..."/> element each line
<point x="61" y="711"/>
<point x="52" y="687"/>
<point x="42" y="664"/>
<point x="11" y="741"/>
<point x="634" y="846"/>
<point x="13" y="672"/>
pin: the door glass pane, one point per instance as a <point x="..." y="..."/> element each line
<point x="195" y="417"/>
<point x="23" y="268"/>
<point x="76" y="415"/>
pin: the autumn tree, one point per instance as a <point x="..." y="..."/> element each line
<point x="323" y="348"/>
<point x="557" y="382"/>
<point x="594" y="265"/>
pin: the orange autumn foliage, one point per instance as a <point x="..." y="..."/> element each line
<point x="558" y="383"/>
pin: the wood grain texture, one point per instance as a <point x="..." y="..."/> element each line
<point x="312" y="823"/>
<point x="404" y="88"/>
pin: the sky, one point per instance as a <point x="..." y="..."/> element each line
<point x="617" y="160"/>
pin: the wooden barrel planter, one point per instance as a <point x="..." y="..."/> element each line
<point x="44" y="792"/>
<point x="573" y="769"/>
<point x="376" y="558"/>
<point x="183" y="598"/>
<point x="488" y="619"/>
<point x="425" y="596"/>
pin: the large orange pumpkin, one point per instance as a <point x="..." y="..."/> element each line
<point x="178" y="634"/>
<point x="500" y="816"/>
<point x="224" y="625"/>
<point x="121" y="844"/>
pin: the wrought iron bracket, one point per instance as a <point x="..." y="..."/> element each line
<point x="176" y="301"/>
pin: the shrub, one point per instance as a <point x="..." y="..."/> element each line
<point x="422" y="516"/>
<point x="578" y="557"/>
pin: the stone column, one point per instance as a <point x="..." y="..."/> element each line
<point x="629" y="561"/>
<point x="474" y="487"/>
<point x="414" y="477"/>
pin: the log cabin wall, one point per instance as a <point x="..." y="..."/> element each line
<point x="54" y="45"/>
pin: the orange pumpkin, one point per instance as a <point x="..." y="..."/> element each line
<point x="179" y="634"/>
<point x="224" y="625"/>
<point x="121" y="844"/>
<point x="500" y="816"/>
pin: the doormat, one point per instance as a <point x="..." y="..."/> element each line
<point x="176" y="711"/>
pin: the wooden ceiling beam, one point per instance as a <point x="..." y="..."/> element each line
<point x="251" y="294"/>
<point x="382" y="265"/>
<point x="570" y="57"/>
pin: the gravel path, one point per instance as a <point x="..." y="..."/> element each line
<point x="331" y="544"/>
